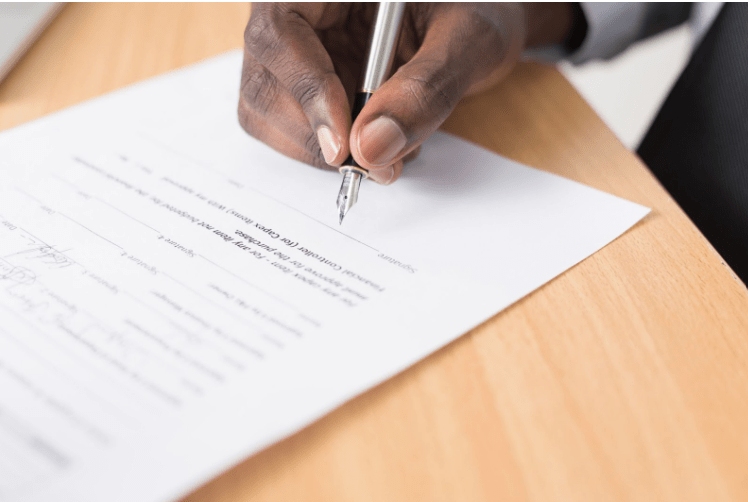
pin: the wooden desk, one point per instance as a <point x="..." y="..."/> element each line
<point x="624" y="379"/>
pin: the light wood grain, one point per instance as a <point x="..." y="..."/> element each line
<point x="624" y="379"/>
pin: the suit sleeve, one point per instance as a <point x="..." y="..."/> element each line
<point x="607" y="29"/>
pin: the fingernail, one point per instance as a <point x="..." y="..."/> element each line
<point x="328" y="143"/>
<point x="383" y="176"/>
<point x="380" y="141"/>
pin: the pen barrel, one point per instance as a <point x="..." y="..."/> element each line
<point x="379" y="59"/>
<point x="382" y="44"/>
<point x="358" y="104"/>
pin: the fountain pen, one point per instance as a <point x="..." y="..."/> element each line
<point x="379" y="59"/>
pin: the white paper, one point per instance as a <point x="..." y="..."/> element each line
<point x="175" y="296"/>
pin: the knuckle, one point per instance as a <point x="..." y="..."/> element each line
<point x="433" y="91"/>
<point x="492" y="39"/>
<point x="307" y="88"/>
<point x="263" y="37"/>
<point x="490" y="27"/>
<point x="311" y="145"/>
<point x="259" y="89"/>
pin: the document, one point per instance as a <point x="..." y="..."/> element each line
<point x="175" y="295"/>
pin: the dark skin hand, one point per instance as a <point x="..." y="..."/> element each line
<point x="302" y="63"/>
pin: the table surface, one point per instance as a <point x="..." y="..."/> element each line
<point x="624" y="379"/>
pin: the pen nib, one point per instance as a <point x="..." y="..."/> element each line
<point x="348" y="194"/>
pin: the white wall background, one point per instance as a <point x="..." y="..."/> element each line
<point x="627" y="91"/>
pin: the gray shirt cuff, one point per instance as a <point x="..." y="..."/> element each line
<point x="611" y="28"/>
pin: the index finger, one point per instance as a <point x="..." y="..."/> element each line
<point x="281" y="37"/>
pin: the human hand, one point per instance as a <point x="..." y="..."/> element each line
<point x="302" y="62"/>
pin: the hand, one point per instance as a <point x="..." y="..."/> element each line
<point x="302" y="63"/>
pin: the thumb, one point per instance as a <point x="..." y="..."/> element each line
<point x="460" y="49"/>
